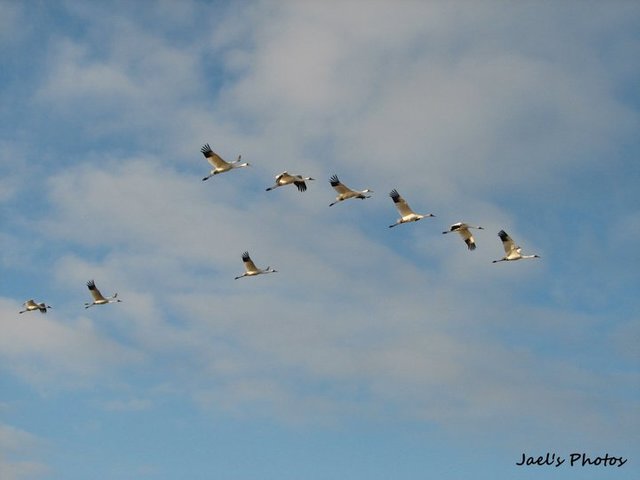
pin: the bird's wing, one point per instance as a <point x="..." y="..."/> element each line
<point x="217" y="162"/>
<point x="471" y="244"/>
<point x="400" y="203"/>
<point x="284" y="176"/>
<point x="95" y="293"/>
<point x="467" y="237"/>
<point x="507" y="242"/>
<point x="212" y="157"/>
<point x="338" y="186"/>
<point x="300" y="185"/>
<point x="30" y="303"/>
<point x="464" y="233"/>
<point x="249" y="266"/>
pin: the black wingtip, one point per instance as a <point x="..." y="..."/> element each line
<point x="334" y="180"/>
<point x="503" y="235"/>
<point x="245" y="256"/>
<point x="91" y="284"/>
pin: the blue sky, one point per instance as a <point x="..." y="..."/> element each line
<point x="373" y="352"/>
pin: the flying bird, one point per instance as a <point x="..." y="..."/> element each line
<point x="463" y="230"/>
<point x="511" y="250"/>
<point x="30" y="306"/>
<point x="251" y="269"/>
<point x="285" y="178"/>
<point x="345" y="193"/>
<point x="406" y="214"/>
<point x="98" y="298"/>
<point x="218" y="164"/>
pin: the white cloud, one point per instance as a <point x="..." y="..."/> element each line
<point x="371" y="83"/>
<point x="78" y="75"/>
<point x="51" y="352"/>
<point x="15" y="445"/>
<point x="125" y="81"/>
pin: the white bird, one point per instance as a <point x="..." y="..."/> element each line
<point x="30" y="306"/>
<point x="98" y="298"/>
<point x="345" y="193"/>
<point x="285" y="178"/>
<point x="406" y="214"/>
<point x="251" y="269"/>
<point x="218" y="164"/>
<point x="463" y="230"/>
<point x="511" y="250"/>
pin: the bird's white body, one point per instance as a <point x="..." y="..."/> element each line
<point x="406" y="214"/>
<point x="219" y="165"/>
<point x="250" y="268"/>
<point x="345" y="193"/>
<point x="285" y="178"/>
<point x="463" y="230"/>
<point x="98" y="298"/>
<point x="31" y="305"/>
<point x="511" y="250"/>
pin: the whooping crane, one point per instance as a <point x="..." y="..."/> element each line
<point x="251" y="269"/>
<point x="463" y="230"/>
<point x="218" y="164"/>
<point x="345" y="193"/>
<point x="30" y="306"/>
<point x="285" y="178"/>
<point x="511" y="250"/>
<point x="98" y="298"/>
<point x="406" y="214"/>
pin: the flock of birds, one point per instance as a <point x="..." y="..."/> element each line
<point x="511" y="249"/>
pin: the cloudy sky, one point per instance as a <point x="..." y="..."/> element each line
<point x="373" y="353"/>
